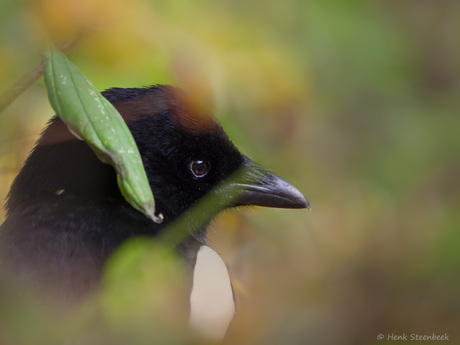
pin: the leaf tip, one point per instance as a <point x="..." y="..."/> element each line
<point x="156" y="218"/>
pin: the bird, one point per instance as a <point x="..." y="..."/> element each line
<point x="65" y="215"/>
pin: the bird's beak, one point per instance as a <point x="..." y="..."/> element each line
<point x="269" y="190"/>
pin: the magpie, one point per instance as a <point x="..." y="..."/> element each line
<point x="66" y="214"/>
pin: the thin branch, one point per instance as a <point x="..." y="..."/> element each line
<point x="22" y="84"/>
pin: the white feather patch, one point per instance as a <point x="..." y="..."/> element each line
<point x="211" y="302"/>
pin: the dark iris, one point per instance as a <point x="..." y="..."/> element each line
<point x="199" y="168"/>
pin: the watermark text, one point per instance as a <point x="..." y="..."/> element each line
<point x="413" y="337"/>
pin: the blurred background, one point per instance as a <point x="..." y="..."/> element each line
<point x="354" y="102"/>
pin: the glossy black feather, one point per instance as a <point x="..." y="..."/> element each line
<point x="65" y="213"/>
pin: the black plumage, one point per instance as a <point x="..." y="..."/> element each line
<point x="66" y="215"/>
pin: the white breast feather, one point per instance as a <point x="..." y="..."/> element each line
<point x="211" y="301"/>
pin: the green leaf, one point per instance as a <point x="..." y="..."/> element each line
<point x="144" y="293"/>
<point x="90" y="117"/>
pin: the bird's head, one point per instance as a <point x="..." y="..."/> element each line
<point x="66" y="214"/>
<point x="186" y="154"/>
<point x="185" y="151"/>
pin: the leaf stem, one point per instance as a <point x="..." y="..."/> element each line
<point x="28" y="79"/>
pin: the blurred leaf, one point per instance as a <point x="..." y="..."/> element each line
<point x="144" y="293"/>
<point x="355" y="102"/>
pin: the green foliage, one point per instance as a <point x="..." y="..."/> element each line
<point x="90" y="117"/>
<point x="143" y="267"/>
<point x="354" y="102"/>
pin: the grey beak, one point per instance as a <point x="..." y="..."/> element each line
<point x="269" y="190"/>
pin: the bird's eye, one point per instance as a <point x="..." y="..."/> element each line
<point x="199" y="168"/>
